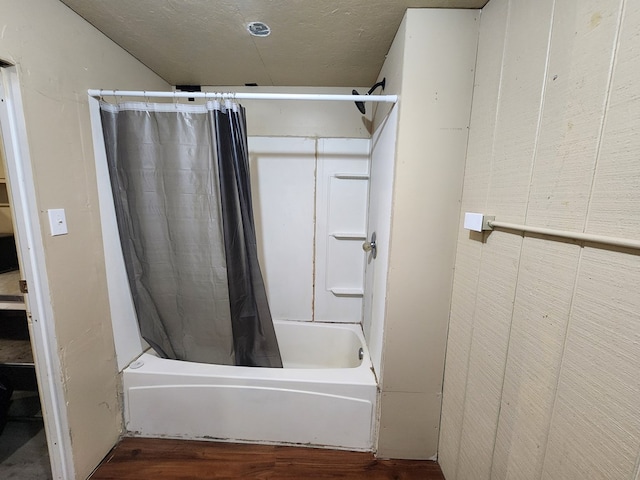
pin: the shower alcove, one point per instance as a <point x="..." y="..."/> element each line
<point x="317" y="199"/>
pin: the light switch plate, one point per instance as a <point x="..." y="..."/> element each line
<point x="57" y="221"/>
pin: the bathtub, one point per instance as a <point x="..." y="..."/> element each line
<point x="324" y="396"/>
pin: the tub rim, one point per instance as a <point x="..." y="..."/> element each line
<point x="148" y="363"/>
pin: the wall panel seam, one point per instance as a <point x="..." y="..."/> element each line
<point x="607" y="100"/>
<point x="543" y="95"/>
<point x="499" y="97"/>
<point x="455" y="259"/>
<point x="636" y="470"/>
<point x="562" y="360"/>
<point x="466" y="382"/>
<point x="315" y="228"/>
<point x="522" y="243"/>
<point x="484" y="234"/>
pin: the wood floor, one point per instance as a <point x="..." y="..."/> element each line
<point x="159" y="459"/>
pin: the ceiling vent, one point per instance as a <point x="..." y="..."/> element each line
<point x="259" y="29"/>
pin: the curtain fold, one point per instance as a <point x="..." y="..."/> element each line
<point x="180" y="179"/>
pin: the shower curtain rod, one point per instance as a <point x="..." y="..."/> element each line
<point x="245" y="96"/>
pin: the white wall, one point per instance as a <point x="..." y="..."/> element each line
<point x="341" y="192"/>
<point x="431" y="66"/>
<point x="300" y="204"/>
<point x="283" y="184"/>
<point x="541" y="377"/>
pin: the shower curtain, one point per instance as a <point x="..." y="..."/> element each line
<point x="180" y="181"/>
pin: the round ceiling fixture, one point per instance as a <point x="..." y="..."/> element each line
<point x="259" y="29"/>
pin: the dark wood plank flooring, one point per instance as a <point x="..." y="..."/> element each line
<point x="159" y="459"/>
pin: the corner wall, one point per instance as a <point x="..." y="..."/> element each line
<point x="431" y="66"/>
<point x="58" y="57"/>
<point x="543" y="354"/>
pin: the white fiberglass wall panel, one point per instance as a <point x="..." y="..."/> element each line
<point x="283" y="184"/>
<point x="341" y="216"/>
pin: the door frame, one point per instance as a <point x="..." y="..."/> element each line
<point x="29" y="242"/>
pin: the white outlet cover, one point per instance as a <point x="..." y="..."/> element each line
<point x="57" y="221"/>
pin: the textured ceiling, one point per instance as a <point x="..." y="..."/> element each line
<point x="313" y="42"/>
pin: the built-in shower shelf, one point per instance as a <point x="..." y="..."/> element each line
<point x="348" y="236"/>
<point x="352" y="176"/>
<point x="347" y="292"/>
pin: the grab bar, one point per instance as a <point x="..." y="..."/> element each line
<point x="479" y="222"/>
<point x="585" y="237"/>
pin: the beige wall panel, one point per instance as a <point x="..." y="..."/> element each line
<point x="83" y="223"/>
<point x="486" y="95"/>
<point x="516" y="130"/>
<point x="408" y="429"/>
<point x="519" y="108"/>
<point x="421" y="266"/>
<point x="562" y="177"/>
<point x="431" y="143"/>
<point x="85" y="418"/>
<point x="565" y="404"/>
<point x="582" y="46"/>
<point x="567" y="147"/>
<point x="595" y="429"/>
<point x="423" y="237"/>
<point x="540" y="315"/>
<point x="615" y="202"/>
<point x="463" y="302"/>
<point x="491" y="324"/>
<point x="469" y="250"/>
<point x="59" y="56"/>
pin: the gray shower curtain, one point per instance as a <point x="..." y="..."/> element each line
<point x="180" y="181"/>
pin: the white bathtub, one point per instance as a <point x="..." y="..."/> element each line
<point x="324" y="396"/>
